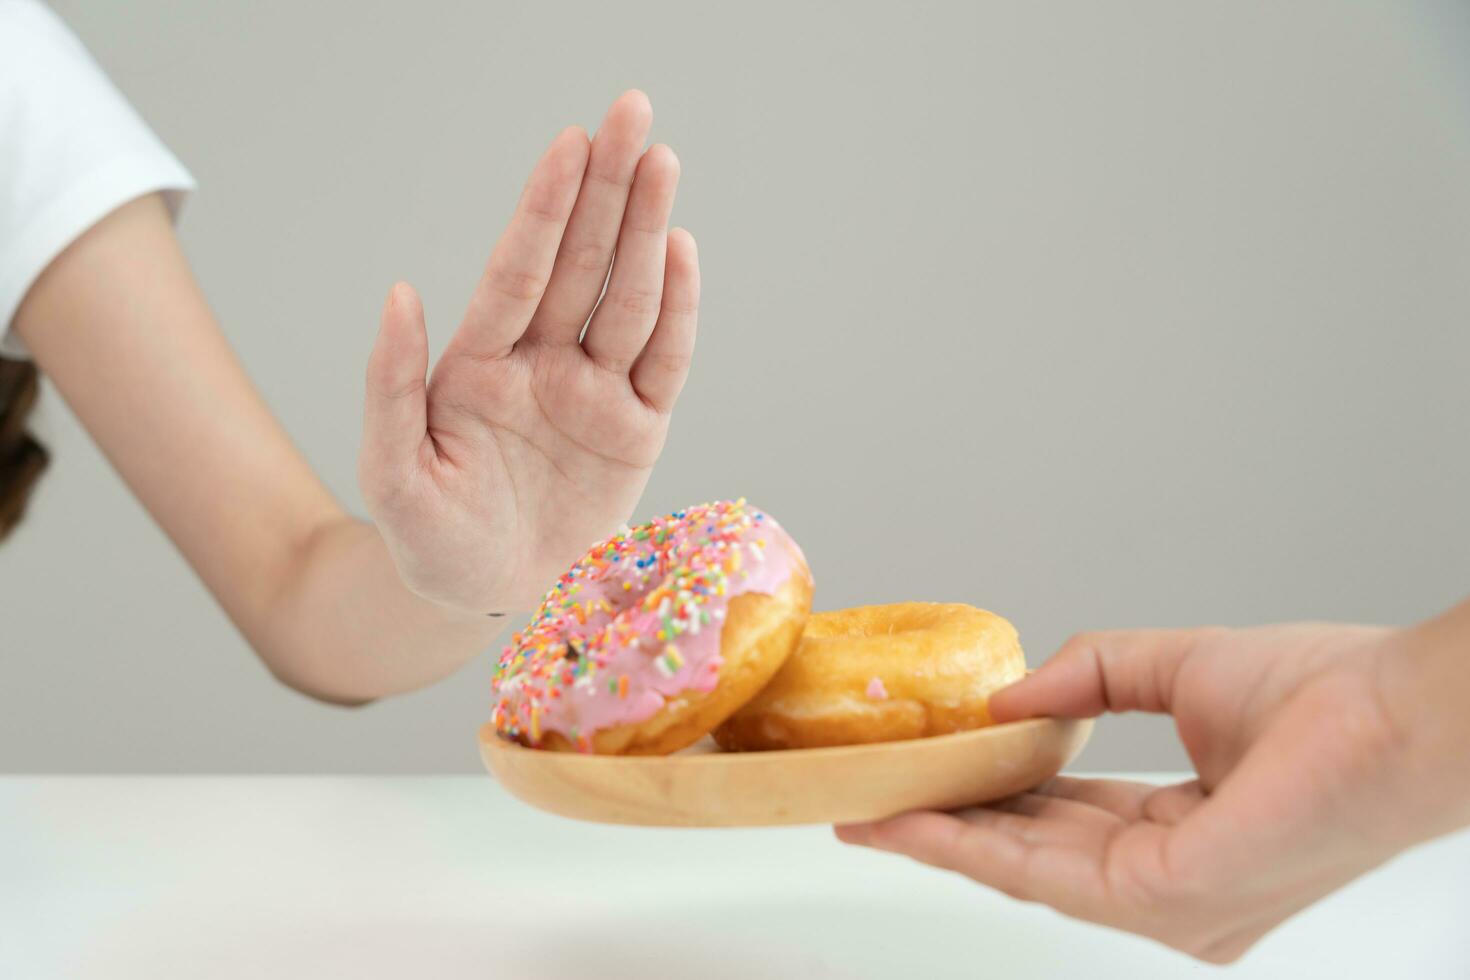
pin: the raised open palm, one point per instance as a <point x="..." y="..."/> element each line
<point x="539" y="427"/>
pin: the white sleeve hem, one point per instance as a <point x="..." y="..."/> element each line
<point x="108" y="187"/>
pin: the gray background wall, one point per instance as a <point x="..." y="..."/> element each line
<point x="1097" y="315"/>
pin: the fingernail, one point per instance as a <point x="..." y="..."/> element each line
<point x="854" y="833"/>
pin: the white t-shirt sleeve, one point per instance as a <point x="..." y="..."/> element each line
<point x="72" y="150"/>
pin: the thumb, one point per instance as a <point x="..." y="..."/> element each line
<point x="1120" y="670"/>
<point x="396" y="416"/>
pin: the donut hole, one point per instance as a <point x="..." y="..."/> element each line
<point x="878" y="621"/>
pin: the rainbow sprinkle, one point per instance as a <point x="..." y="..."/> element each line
<point x="645" y="591"/>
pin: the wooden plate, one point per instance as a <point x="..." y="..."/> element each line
<point x="703" y="787"/>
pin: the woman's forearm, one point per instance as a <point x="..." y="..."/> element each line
<point x="119" y="324"/>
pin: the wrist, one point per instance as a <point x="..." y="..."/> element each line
<point x="460" y="594"/>
<point x="493" y="610"/>
<point x="1426" y="691"/>
<point x="344" y="627"/>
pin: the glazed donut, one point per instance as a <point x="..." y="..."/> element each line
<point x="656" y="635"/>
<point x="881" y="674"/>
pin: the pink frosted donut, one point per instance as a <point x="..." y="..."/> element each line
<point x="657" y="635"/>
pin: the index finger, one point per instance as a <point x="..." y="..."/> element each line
<point x="1119" y="670"/>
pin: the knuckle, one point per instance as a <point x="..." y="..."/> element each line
<point x="587" y="256"/>
<point x="1078" y="644"/>
<point x="516" y="284"/>
<point x="543" y="204"/>
<point x="665" y="363"/>
<point x="636" y="302"/>
<point x="685" y="309"/>
<point x="395" y="390"/>
<point x="615" y="359"/>
<point x="649" y="229"/>
<point x="608" y="177"/>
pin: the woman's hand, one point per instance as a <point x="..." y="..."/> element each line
<point x="532" y="440"/>
<point x="524" y="447"/>
<point x="1308" y="775"/>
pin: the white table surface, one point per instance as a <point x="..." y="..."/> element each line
<point x="449" y="876"/>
